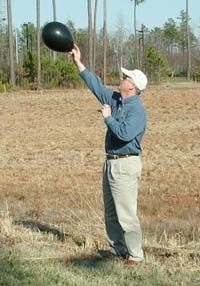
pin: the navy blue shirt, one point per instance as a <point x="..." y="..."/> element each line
<point x="127" y="123"/>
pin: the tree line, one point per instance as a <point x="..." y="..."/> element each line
<point x="167" y="51"/>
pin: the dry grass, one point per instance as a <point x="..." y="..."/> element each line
<point x="51" y="156"/>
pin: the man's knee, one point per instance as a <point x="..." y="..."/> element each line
<point x="131" y="224"/>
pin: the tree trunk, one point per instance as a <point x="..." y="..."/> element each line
<point x="94" y="36"/>
<point x="54" y="18"/>
<point x="90" y="35"/>
<point x="54" y="9"/>
<point x="10" y="39"/>
<point x="38" y="45"/>
<point x="104" y="41"/>
<point x="188" y="42"/>
<point x="142" y="47"/>
<point x="16" y="47"/>
<point x="135" y="32"/>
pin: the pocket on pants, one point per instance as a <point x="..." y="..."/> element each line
<point x="115" y="169"/>
<point x="134" y="166"/>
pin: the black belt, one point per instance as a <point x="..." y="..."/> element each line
<point x="118" y="156"/>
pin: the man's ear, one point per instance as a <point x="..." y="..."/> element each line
<point x="132" y="87"/>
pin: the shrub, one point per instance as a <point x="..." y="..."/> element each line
<point x="156" y="65"/>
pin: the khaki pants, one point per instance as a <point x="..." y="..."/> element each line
<point x="120" y="190"/>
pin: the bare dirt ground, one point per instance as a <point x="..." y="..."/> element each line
<point x="52" y="151"/>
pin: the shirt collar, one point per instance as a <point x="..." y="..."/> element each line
<point x="130" y="99"/>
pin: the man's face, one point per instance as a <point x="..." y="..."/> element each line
<point x="126" y="84"/>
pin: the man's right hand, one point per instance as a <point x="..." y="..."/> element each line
<point x="106" y="110"/>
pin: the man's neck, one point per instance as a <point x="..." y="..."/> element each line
<point x="126" y="95"/>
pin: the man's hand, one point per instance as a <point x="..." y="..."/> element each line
<point x="76" y="54"/>
<point x="106" y="110"/>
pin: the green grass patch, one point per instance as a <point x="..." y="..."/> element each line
<point x="90" y="272"/>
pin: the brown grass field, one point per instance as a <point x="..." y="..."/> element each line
<point x="51" y="156"/>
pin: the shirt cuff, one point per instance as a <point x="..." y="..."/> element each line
<point x="109" y="120"/>
<point x="84" y="72"/>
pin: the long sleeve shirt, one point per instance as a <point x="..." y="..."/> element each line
<point x="127" y="123"/>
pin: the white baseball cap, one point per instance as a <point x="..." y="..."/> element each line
<point x="137" y="76"/>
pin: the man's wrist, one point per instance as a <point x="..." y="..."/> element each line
<point x="80" y="66"/>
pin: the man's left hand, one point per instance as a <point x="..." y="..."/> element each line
<point x="106" y="110"/>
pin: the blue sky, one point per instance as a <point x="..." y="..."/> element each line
<point x="151" y="13"/>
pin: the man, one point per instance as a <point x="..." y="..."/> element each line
<point x="125" y="117"/>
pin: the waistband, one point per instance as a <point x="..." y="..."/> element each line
<point x="118" y="156"/>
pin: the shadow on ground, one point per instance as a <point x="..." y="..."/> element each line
<point x="37" y="226"/>
<point x="87" y="261"/>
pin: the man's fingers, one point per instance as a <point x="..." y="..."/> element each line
<point x="76" y="47"/>
<point x="106" y="106"/>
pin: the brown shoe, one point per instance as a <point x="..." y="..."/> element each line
<point x="130" y="262"/>
<point x="106" y="253"/>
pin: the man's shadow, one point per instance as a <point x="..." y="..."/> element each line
<point x="39" y="227"/>
<point x="86" y="260"/>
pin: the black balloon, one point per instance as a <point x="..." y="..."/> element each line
<point x="57" y="37"/>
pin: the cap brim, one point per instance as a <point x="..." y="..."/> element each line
<point x="129" y="74"/>
<point x="126" y="72"/>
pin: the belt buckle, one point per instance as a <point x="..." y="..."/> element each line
<point x="112" y="156"/>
